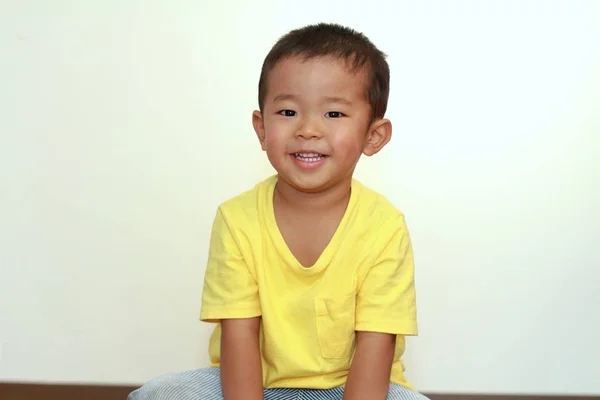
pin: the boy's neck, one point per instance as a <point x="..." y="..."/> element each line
<point x="335" y="196"/>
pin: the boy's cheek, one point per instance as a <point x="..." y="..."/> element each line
<point x="276" y="125"/>
<point x="347" y="148"/>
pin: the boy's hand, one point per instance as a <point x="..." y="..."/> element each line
<point x="369" y="377"/>
<point x="241" y="368"/>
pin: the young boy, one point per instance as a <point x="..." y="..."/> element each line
<point x="310" y="273"/>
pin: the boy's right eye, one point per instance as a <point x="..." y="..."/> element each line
<point x="287" y="113"/>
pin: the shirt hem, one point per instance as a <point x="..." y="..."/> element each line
<point x="215" y="315"/>
<point x="408" y="328"/>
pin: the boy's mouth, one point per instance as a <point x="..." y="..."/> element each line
<point x="310" y="157"/>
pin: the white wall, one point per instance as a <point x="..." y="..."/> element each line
<point x="123" y="124"/>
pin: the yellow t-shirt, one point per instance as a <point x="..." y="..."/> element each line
<point x="363" y="281"/>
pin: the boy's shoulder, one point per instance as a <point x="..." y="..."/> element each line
<point x="249" y="201"/>
<point x="376" y="205"/>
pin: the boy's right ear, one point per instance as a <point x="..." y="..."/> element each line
<point x="259" y="127"/>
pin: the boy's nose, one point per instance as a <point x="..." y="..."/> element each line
<point x="308" y="130"/>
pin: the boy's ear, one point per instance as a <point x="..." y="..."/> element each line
<point x="380" y="133"/>
<point x="259" y="127"/>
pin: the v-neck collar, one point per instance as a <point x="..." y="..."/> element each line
<point x="273" y="229"/>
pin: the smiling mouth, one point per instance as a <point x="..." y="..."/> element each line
<point x="309" y="157"/>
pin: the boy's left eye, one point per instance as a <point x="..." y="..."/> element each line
<point x="334" y="114"/>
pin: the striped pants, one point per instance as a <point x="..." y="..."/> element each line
<point x="205" y="384"/>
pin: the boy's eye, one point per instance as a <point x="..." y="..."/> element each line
<point x="287" y="113"/>
<point x="334" y="114"/>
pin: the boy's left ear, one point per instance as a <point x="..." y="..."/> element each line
<point x="380" y="133"/>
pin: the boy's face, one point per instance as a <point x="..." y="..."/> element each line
<point x="316" y="122"/>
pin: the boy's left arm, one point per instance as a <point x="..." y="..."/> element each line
<point x="369" y="377"/>
<point x="386" y="307"/>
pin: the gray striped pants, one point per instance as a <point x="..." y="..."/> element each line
<point x="205" y="384"/>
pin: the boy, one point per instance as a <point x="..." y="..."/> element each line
<point x="310" y="274"/>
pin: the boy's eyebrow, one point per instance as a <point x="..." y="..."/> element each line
<point x="326" y="99"/>
<point x="283" y="97"/>
<point x="335" y="99"/>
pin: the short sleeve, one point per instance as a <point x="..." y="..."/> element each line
<point x="230" y="289"/>
<point x="386" y="300"/>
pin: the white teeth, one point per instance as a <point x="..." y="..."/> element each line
<point x="309" y="157"/>
<point x="308" y="154"/>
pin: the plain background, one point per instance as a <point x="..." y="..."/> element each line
<point x="123" y="125"/>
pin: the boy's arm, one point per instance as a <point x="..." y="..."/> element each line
<point x="241" y="369"/>
<point x="385" y="308"/>
<point x="371" y="368"/>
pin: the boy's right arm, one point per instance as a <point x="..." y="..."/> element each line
<point x="241" y="368"/>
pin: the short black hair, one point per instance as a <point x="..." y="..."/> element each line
<point x="338" y="42"/>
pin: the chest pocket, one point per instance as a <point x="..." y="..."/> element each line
<point x="335" y="325"/>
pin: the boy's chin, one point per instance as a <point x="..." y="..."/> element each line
<point x="308" y="184"/>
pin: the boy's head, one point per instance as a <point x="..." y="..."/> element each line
<point x="337" y="43"/>
<point x="323" y="94"/>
